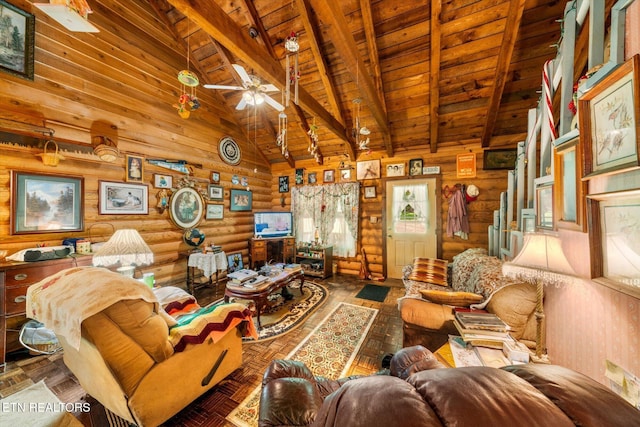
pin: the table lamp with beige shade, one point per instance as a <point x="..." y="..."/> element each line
<point x="127" y="248"/>
<point x="541" y="262"/>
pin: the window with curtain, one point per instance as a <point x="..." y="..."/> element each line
<point x="333" y="210"/>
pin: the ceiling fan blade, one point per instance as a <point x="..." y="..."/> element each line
<point x="275" y="104"/>
<point x="243" y="74"/>
<point x="269" y="88"/>
<point x="223" y="87"/>
<point x="241" y="104"/>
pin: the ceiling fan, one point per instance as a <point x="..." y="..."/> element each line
<point x="255" y="93"/>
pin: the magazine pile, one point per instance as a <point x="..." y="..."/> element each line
<point x="482" y="329"/>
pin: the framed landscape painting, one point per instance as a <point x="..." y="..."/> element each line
<point x="44" y="203"/>
<point x="17" y="52"/>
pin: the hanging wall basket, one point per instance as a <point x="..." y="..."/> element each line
<point x="51" y="158"/>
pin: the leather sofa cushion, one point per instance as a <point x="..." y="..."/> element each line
<point x="455" y="298"/>
<point x="515" y="305"/>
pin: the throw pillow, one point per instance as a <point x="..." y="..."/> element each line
<point x="429" y="270"/>
<point x="455" y="298"/>
<point x="515" y="305"/>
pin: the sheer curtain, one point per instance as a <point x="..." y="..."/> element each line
<point x="332" y="209"/>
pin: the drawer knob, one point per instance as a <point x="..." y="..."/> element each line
<point x="21" y="276"/>
<point x="20" y="299"/>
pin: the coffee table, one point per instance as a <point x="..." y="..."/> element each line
<point x="259" y="295"/>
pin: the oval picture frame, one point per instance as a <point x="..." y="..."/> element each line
<point x="229" y="151"/>
<point x="186" y="208"/>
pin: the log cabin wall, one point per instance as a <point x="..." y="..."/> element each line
<point x="121" y="82"/>
<point x="372" y="237"/>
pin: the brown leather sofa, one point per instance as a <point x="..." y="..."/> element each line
<point x="418" y="391"/>
<point x="429" y="323"/>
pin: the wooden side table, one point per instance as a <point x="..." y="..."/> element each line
<point x="209" y="263"/>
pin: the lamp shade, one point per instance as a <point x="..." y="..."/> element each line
<point x="125" y="247"/>
<point x="541" y="255"/>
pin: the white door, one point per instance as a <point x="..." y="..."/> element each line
<point x="411" y="222"/>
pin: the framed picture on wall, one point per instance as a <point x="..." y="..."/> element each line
<point x="608" y="117"/>
<point x="613" y="239"/>
<point x="415" y="167"/>
<point x="17" y="53"/>
<point x="216" y="192"/>
<point x="134" y="167"/>
<point x="499" y="159"/>
<point x="368" y="169"/>
<point x="370" y="192"/>
<point x="120" y="198"/>
<point x="312" y="178"/>
<point x="283" y="184"/>
<point x="395" y="169"/>
<point x="544" y="202"/>
<point x="186" y="207"/>
<point x="214" y="211"/>
<point x="43" y="203"/>
<point x="329" y="175"/>
<point x="162" y="181"/>
<point x="569" y="203"/>
<point x="241" y="200"/>
<point x="215" y="177"/>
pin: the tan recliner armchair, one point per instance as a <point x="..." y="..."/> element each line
<point x="125" y="358"/>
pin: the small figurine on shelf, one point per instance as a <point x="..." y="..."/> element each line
<point x="316" y="236"/>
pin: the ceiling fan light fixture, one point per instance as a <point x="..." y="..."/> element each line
<point x="364" y="130"/>
<point x="106" y="150"/>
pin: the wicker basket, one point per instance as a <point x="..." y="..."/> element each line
<point x="51" y="158"/>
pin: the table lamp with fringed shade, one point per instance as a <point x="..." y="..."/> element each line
<point x="541" y="262"/>
<point x="127" y="248"/>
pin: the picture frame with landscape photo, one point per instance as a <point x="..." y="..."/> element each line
<point x="608" y="122"/>
<point x="46" y="203"/>
<point x="17" y="56"/>
<point x="121" y="198"/>
<point x="613" y="239"/>
<point x="214" y="211"/>
<point x="500" y="158"/>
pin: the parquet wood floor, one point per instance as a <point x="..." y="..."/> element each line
<point x="385" y="336"/>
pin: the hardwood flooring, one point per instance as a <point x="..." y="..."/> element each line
<point x="385" y="336"/>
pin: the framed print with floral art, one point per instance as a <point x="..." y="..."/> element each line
<point x="608" y="116"/>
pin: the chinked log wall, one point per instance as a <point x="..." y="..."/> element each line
<point x="82" y="80"/>
<point x="124" y="80"/>
<point x="372" y="235"/>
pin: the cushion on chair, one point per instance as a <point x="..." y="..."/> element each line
<point x="455" y="298"/>
<point x="429" y="270"/>
<point x="137" y="320"/>
<point x="515" y="305"/>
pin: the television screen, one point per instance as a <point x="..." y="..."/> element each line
<point x="273" y="224"/>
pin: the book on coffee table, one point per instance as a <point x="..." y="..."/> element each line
<point x="242" y="276"/>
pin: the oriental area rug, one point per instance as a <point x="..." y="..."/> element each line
<point x="283" y="315"/>
<point x="328" y="351"/>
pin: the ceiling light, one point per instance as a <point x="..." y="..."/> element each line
<point x="67" y="17"/>
<point x="253" y="97"/>
<point x="106" y="149"/>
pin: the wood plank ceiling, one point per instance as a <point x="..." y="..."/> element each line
<point x="426" y="75"/>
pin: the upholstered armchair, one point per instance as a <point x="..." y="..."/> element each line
<point x="117" y="341"/>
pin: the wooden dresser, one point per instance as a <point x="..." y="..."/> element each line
<point x="278" y="249"/>
<point x="15" y="278"/>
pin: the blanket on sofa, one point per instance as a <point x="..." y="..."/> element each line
<point x="62" y="301"/>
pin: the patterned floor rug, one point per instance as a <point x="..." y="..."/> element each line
<point x="328" y="350"/>
<point x="283" y="316"/>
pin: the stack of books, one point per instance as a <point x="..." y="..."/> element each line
<point x="292" y="267"/>
<point x="482" y="329"/>
<point x="247" y="278"/>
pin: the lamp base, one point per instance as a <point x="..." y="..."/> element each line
<point x="544" y="359"/>
<point x="126" y="270"/>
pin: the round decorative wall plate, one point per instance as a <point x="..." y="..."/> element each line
<point x="229" y="151"/>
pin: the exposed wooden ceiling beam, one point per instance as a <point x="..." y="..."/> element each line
<point x="434" y="75"/>
<point x="370" y="35"/>
<point x="215" y="22"/>
<point x="516" y="9"/>
<point x="331" y="14"/>
<point x="304" y="8"/>
<point x="263" y="37"/>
